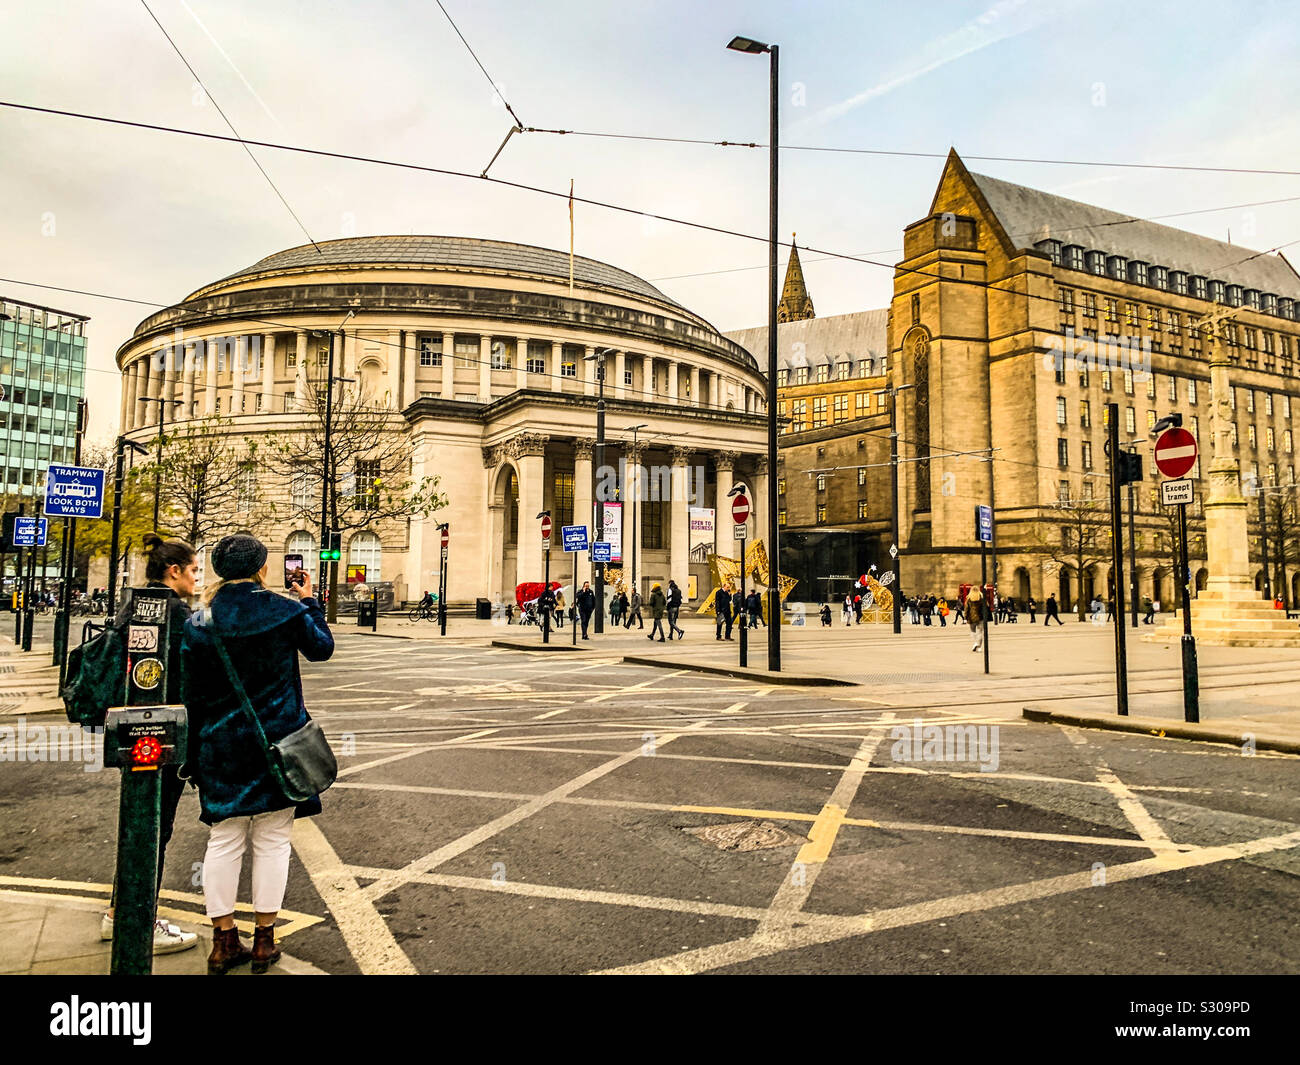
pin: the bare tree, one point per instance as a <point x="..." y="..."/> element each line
<point x="369" y="470"/>
<point x="1079" y="537"/>
<point x="205" y="486"/>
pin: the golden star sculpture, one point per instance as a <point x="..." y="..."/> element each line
<point x="756" y="565"/>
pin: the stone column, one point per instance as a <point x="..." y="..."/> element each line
<point x="679" y="553"/>
<point x="695" y="386"/>
<point x="238" y="371"/>
<point x="485" y="369"/>
<point x="448" y="365"/>
<point x="170" y="378"/>
<point x="674" y="376"/>
<point x="151" y="386"/>
<point x="193" y="352"/>
<point x="300" y="372"/>
<point x="529" y="452"/>
<point x="582" y="501"/>
<point x="634" y="514"/>
<point x="495" y="549"/>
<point x="725" y="461"/>
<point x="1227" y="545"/>
<point x="521" y="363"/>
<point x="758" y="498"/>
<point x="557" y="366"/>
<point x="128" y="397"/>
<point x="620" y="369"/>
<point x="268" y="372"/>
<point x="589" y="371"/>
<point x="210" y="370"/>
<point x="410" y="363"/>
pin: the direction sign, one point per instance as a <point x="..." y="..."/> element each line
<point x="575" y="537"/>
<point x="1175" y="452"/>
<point x="740" y="510"/>
<point x="74" y="491"/>
<point x="602" y="551"/>
<point x="984" y="524"/>
<point x="30" y="532"/>
<point x="1175" y="493"/>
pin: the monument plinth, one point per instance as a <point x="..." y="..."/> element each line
<point x="1228" y="611"/>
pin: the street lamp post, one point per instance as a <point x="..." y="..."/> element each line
<point x="162" y="426"/>
<point x="327" y="469"/>
<point x="752" y="47"/>
<point x="598" y="463"/>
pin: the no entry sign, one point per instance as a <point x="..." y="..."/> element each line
<point x="546" y="527"/>
<point x="740" y="509"/>
<point x="1175" y="452"/>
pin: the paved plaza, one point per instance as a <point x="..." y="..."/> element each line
<point x="503" y="810"/>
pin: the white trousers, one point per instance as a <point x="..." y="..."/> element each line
<point x="272" y="841"/>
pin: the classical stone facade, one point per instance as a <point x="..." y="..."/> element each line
<point x="492" y="359"/>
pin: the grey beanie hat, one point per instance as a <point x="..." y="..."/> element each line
<point x="238" y="557"/>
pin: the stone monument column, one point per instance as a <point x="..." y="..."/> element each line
<point x="1226" y="543"/>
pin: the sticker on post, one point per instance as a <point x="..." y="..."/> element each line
<point x="147" y="674"/>
<point x="149" y="610"/>
<point x="142" y="638"/>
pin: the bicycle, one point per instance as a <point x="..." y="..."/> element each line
<point x="424" y="612"/>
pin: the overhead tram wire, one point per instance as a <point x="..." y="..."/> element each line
<point x="912" y="155"/>
<point x="231" y="125"/>
<point x="490" y="80"/>
<point x="552" y="193"/>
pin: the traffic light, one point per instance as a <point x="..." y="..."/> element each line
<point x="333" y="549"/>
<point x="1130" y="467"/>
<point x="7" y="534"/>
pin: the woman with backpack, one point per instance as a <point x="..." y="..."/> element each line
<point x="169" y="564"/>
<point x="246" y="716"/>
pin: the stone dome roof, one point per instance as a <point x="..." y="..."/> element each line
<point x="465" y="253"/>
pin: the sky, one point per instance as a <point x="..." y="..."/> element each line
<point x="149" y="217"/>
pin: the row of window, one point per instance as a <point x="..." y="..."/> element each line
<point x="843" y="371"/>
<point x="364" y="549"/>
<point x="40" y="318"/>
<point x="782" y="517"/>
<point x="1179" y="282"/>
<point x="1270" y="401"/>
<point x="816" y="412"/>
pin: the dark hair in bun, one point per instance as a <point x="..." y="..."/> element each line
<point x="161" y="554"/>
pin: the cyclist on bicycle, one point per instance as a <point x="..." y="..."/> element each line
<point x="427" y="602"/>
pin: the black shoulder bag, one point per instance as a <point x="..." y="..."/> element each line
<point x="302" y="763"/>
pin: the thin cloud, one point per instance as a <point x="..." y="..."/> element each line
<point x="1005" y="19"/>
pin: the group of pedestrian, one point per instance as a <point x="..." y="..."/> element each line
<point x="729" y="607"/>
<point x="234" y="665"/>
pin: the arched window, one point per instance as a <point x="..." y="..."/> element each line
<point x="302" y="543"/>
<point x="365" y="550"/>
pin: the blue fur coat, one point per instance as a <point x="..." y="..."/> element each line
<point x="263" y="633"/>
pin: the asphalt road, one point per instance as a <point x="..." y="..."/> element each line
<point x="501" y="811"/>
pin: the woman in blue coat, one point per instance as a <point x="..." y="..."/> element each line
<point x="262" y="632"/>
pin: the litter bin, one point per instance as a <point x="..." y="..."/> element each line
<point x="366" y="611"/>
<point x="483" y="609"/>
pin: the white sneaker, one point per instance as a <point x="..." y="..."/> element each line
<point x="167" y="938"/>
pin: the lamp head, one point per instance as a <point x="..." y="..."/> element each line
<point x="744" y="44"/>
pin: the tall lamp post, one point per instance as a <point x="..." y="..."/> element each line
<point x="598" y="463"/>
<point x="634" y="429"/>
<point x="327" y="468"/>
<point x="163" y="403"/>
<point x="892" y="392"/>
<point x="752" y="47"/>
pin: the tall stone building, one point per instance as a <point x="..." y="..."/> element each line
<point x="1017" y="317"/>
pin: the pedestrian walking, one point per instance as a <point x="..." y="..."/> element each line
<point x="1031" y="605"/>
<point x="243" y="694"/>
<point x="847" y="610"/>
<point x="754" y="607"/>
<point x="634" y="611"/>
<point x="959" y="611"/>
<point x="976" y="611"/>
<point x="169" y="564"/>
<point x="1150" y="616"/>
<point x="658" y="608"/>
<point x="586" y="602"/>
<point x="1051" y="610"/>
<point x="559" y="609"/>
<point x="942" y="609"/>
<point x="826" y="615"/>
<point x="722" y="611"/>
<point x="546" y="603"/>
<point x="926" y="609"/>
<point x="674" y="609"/>
<point x="616" y="609"/>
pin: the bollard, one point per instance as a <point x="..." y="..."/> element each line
<point x="141" y="737"/>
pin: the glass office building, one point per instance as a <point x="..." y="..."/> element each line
<point x="43" y="376"/>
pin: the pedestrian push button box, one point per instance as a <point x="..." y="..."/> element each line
<point x="144" y="737"/>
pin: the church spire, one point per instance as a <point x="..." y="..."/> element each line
<point x="795" y="304"/>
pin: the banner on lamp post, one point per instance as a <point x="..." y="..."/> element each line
<point x="612" y="529"/>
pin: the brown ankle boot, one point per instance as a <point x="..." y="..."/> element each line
<point x="265" y="952"/>
<point x="227" y="951"/>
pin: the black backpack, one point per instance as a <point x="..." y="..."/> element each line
<point x="96" y="677"/>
